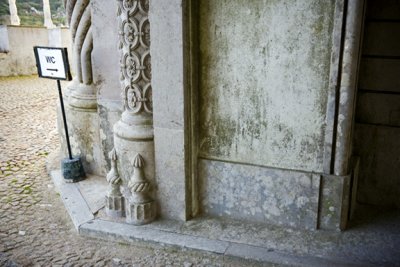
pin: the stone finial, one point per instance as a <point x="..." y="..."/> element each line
<point x="115" y="202"/>
<point x="141" y="207"/>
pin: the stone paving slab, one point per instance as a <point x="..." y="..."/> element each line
<point x="124" y="232"/>
<point x="74" y="202"/>
<point x="94" y="189"/>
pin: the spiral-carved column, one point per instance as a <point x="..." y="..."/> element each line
<point x="133" y="133"/>
<point x="82" y="93"/>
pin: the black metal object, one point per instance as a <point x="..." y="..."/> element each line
<point x="64" y="53"/>
<point x="71" y="168"/>
<point x="64" y="119"/>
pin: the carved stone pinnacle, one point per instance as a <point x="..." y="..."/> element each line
<point x="115" y="202"/>
<point x="141" y="207"/>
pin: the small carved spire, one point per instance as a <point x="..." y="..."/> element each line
<point x="138" y="185"/>
<point x="115" y="202"/>
<point x="141" y="206"/>
<point x="113" y="175"/>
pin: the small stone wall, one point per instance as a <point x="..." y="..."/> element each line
<point x="16" y="47"/>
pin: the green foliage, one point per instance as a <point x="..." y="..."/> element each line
<point x="4" y="10"/>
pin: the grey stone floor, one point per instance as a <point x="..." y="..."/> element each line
<point x="35" y="229"/>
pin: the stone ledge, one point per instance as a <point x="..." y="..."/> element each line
<point x="163" y="233"/>
<point x="74" y="202"/>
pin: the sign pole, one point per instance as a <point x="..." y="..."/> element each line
<point x="64" y="118"/>
<point x="52" y="63"/>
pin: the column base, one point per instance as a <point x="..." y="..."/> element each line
<point x="83" y="97"/>
<point x="140" y="213"/>
<point x="115" y="206"/>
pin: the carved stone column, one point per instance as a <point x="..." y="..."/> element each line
<point x="48" y="23"/>
<point x="82" y="93"/>
<point x="133" y="133"/>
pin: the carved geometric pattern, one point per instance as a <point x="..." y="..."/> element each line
<point x="135" y="59"/>
<point x="145" y="33"/>
<point x="146" y="65"/>
<point x="135" y="101"/>
<point x="148" y="105"/>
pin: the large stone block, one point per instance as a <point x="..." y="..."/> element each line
<point x="166" y="19"/>
<point x="83" y="128"/>
<point x="264" y="81"/>
<point x="259" y="194"/>
<point x="170" y="173"/>
<point x="334" y="202"/>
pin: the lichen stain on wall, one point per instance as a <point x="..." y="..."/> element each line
<point x="264" y="73"/>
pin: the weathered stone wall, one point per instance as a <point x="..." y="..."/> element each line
<point x="20" y="59"/>
<point x="264" y="87"/>
<point x="244" y="106"/>
<point x="264" y="81"/>
<point x="106" y="71"/>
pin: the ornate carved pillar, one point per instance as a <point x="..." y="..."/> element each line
<point x="133" y="133"/>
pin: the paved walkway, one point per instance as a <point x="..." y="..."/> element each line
<point x="34" y="227"/>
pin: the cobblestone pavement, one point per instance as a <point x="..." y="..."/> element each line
<point x="34" y="227"/>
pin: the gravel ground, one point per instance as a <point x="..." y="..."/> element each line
<point x="34" y="227"/>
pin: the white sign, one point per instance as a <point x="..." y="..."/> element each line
<point x="52" y="62"/>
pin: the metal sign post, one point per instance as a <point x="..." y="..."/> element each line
<point x="64" y="119"/>
<point x="52" y="63"/>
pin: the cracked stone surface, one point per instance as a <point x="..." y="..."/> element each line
<point x="34" y="227"/>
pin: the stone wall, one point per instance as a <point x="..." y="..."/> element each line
<point x="264" y="81"/>
<point x="246" y="109"/>
<point x="106" y="69"/>
<point x="264" y="86"/>
<point x="245" y="102"/>
<point x="19" y="58"/>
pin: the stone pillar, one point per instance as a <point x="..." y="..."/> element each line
<point x="14" y="19"/>
<point x="81" y="93"/>
<point x="48" y="23"/>
<point x="133" y="133"/>
<point x="81" y="90"/>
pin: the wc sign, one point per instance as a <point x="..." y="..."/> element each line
<point x="52" y="62"/>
